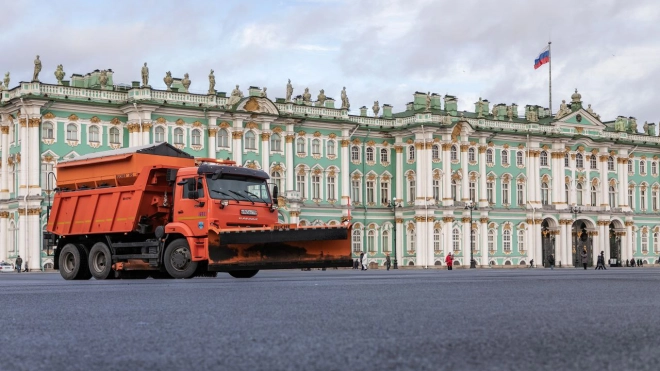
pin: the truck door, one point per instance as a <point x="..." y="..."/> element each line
<point x="190" y="208"/>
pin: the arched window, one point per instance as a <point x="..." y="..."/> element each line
<point x="505" y="157"/>
<point x="489" y="156"/>
<point x="301" y="183"/>
<point x="642" y="198"/>
<point x="331" y="187"/>
<point x="645" y="241"/>
<point x="472" y="188"/>
<point x="276" y="179"/>
<point x="276" y="143"/>
<point x="331" y="146"/>
<point x="566" y="192"/>
<point x="594" y="162"/>
<point x="357" y="240"/>
<point x="631" y="168"/>
<point x="355" y="153"/>
<point x="656" y="242"/>
<point x="544" y="158"/>
<point x="579" y="194"/>
<point x="47" y="130"/>
<point x="384" y="156"/>
<point x="506" y="241"/>
<point x="593" y="195"/>
<point x="454" y="192"/>
<point x="521" y="240"/>
<point x="579" y="161"/>
<point x="490" y="191"/>
<point x="631" y="197"/>
<point x="411" y="153"/>
<point x="566" y="161"/>
<point x="196" y="137"/>
<point x="436" y="239"/>
<point x="71" y="132"/>
<point x="642" y="166"/>
<point x="412" y="236"/>
<point x="300" y="145"/>
<point x="316" y="187"/>
<point x="654" y="168"/>
<point x="370" y="154"/>
<point x="436" y="189"/>
<point x="544" y="193"/>
<point x="114" y="136"/>
<point x="371" y="240"/>
<point x="412" y="190"/>
<point x="519" y="158"/>
<point x="453" y="153"/>
<point x="610" y="163"/>
<point x="385" y="241"/>
<point x="159" y="134"/>
<point x="505" y="192"/>
<point x="316" y="147"/>
<point x="472" y="157"/>
<point x="250" y="141"/>
<point x="178" y="136"/>
<point x="654" y="199"/>
<point x="491" y="240"/>
<point x="94" y="135"/>
<point x="223" y="138"/>
<point x="612" y="196"/>
<point x="435" y="152"/>
<point x="456" y="240"/>
<point x="520" y="196"/>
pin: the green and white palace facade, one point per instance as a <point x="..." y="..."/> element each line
<point x="540" y="183"/>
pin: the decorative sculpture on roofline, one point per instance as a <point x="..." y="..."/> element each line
<point x="103" y="78"/>
<point x="344" y="99"/>
<point x="563" y="110"/>
<point x="145" y="75"/>
<point x="320" y="99"/>
<point x="186" y="82"/>
<point x="211" y="83"/>
<point x="620" y="124"/>
<point x="37" y="69"/>
<point x="480" y="108"/>
<point x="632" y="125"/>
<point x="168" y="80"/>
<point x="289" y="91"/>
<point x="376" y="108"/>
<point x="236" y="96"/>
<point x="428" y="102"/>
<point x="263" y="93"/>
<point x="59" y="74"/>
<point x="307" y="97"/>
<point x="7" y="80"/>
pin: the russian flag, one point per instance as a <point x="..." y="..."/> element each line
<point x="542" y="59"/>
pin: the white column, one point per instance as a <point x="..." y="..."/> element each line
<point x="421" y="244"/>
<point x="146" y="129"/>
<point x="483" y="199"/>
<point x="422" y="175"/>
<point x="604" y="186"/>
<point x="35" y="159"/>
<point x="22" y="235"/>
<point x="34" y="239"/>
<point x="446" y="178"/>
<point x="211" y="143"/>
<point x="237" y="141"/>
<point x="398" y="240"/>
<point x="626" y="241"/>
<point x="532" y="181"/>
<point x="4" y="179"/>
<point x="290" y="171"/>
<point x="447" y="227"/>
<point x="562" y="252"/>
<point x="570" y="240"/>
<point x="466" y="239"/>
<point x="4" y="235"/>
<point x="465" y="183"/>
<point x="265" y="152"/>
<point x="399" y="172"/>
<point x="483" y="230"/>
<point x="606" y="242"/>
<point x="24" y="166"/>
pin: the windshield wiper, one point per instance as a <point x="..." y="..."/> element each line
<point x="242" y="195"/>
<point x="260" y="199"/>
<point x="225" y="193"/>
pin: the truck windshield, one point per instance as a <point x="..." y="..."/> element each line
<point x="238" y="188"/>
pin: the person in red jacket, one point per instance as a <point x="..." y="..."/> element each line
<point x="450" y="261"/>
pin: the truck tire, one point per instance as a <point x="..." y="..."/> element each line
<point x="83" y="273"/>
<point x="178" y="259"/>
<point x="243" y="274"/>
<point x="100" y="261"/>
<point x="70" y="261"/>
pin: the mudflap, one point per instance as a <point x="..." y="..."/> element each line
<point x="301" y="247"/>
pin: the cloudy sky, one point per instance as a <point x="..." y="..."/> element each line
<point x="381" y="50"/>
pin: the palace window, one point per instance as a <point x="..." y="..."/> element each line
<point x="331" y="146"/>
<point x="505" y="157"/>
<point x="435" y="152"/>
<point x="521" y="194"/>
<point x="276" y="143"/>
<point x="332" y="189"/>
<point x="491" y="240"/>
<point x="610" y="163"/>
<point x="454" y="193"/>
<point x="579" y="161"/>
<point x="385" y="237"/>
<point x="94" y="134"/>
<point x="159" y="134"/>
<point x="544" y="158"/>
<point x="453" y="153"/>
<point x="566" y="193"/>
<point x="196" y="137"/>
<point x="594" y="162"/>
<point x="593" y="196"/>
<point x="355" y="153"/>
<point x="519" y="158"/>
<point x="276" y="179"/>
<point x="371" y="240"/>
<point x="371" y="191"/>
<point x="178" y="136"/>
<point x="301" y="184"/>
<point x="505" y="193"/>
<point x="316" y="187"/>
<point x="489" y="156"/>
<point x="521" y="240"/>
<point x="612" y="197"/>
<point x="370" y="154"/>
<point x="642" y="198"/>
<point x="506" y="241"/>
<point x="412" y="190"/>
<point x="656" y="241"/>
<point x="490" y="185"/>
<point x="654" y="168"/>
<point x="631" y="198"/>
<point x="654" y="199"/>
<point x="316" y="147"/>
<point x="566" y="162"/>
<point x="436" y="190"/>
<point x="71" y="132"/>
<point x="631" y="168"/>
<point x="544" y="193"/>
<point x="384" y="192"/>
<point x="114" y="136"/>
<point x="357" y="240"/>
<point x="436" y="239"/>
<point x="223" y="138"/>
<point x="356" y="186"/>
<point x="412" y="236"/>
<point x="47" y="130"/>
<point x="645" y="242"/>
<point x="456" y="240"/>
<point x="579" y="194"/>
<point x="642" y="166"/>
<point x="411" y="153"/>
<point x="471" y="155"/>
<point x="473" y="191"/>
<point x="47" y="168"/>
<point x="384" y="156"/>
<point x="300" y="145"/>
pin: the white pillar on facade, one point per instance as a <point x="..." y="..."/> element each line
<point x="4" y="235"/>
<point x="4" y="179"/>
<point x="483" y="198"/>
<point x="562" y="252"/>
<point x="466" y="247"/>
<point x="211" y="142"/>
<point x="399" y="172"/>
<point x="237" y="140"/>
<point x="23" y="164"/>
<point x="398" y="240"/>
<point x="604" y="185"/>
<point x="290" y="171"/>
<point x="483" y="230"/>
<point x="465" y="182"/>
<point x="447" y="200"/>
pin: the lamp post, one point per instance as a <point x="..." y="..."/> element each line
<point x="471" y="206"/>
<point x="575" y="210"/>
<point x="50" y="175"/>
<point x="393" y="205"/>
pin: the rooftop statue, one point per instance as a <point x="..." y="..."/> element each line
<point x="620" y="124"/>
<point x="632" y="125"/>
<point x="446" y="120"/>
<point x="376" y="108"/>
<point x="563" y="110"/>
<point x="145" y="75"/>
<point x="263" y="93"/>
<point x="320" y="99"/>
<point x="37" y="69"/>
<point x="211" y="83"/>
<point x="103" y="78"/>
<point x="646" y="127"/>
<point x="428" y="102"/>
<point x="344" y="99"/>
<point x="495" y="112"/>
<point x="59" y="74"/>
<point x="168" y="80"/>
<point x="186" y="82"/>
<point x="509" y="113"/>
<point x="289" y="91"/>
<point x="307" y="97"/>
<point x="480" y="108"/>
<point x="236" y="96"/>
<point x="7" y="80"/>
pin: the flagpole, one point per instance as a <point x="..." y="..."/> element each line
<point x="550" y="76"/>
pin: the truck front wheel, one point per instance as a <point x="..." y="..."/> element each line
<point x="71" y="262"/>
<point x="100" y="261"/>
<point x="178" y="259"/>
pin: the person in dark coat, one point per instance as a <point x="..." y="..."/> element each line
<point x="627" y="263"/>
<point x="641" y="263"/>
<point x="584" y="258"/>
<point x="551" y="261"/>
<point x="601" y="261"/>
<point x="362" y="261"/>
<point x="355" y="264"/>
<point x="19" y="262"/>
<point x="387" y="261"/>
<point x="632" y="263"/>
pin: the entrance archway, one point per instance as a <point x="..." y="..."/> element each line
<point x="616" y="232"/>
<point x="547" y="241"/>
<point x="581" y="241"/>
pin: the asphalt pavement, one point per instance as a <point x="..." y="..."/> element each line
<point x="484" y="319"/>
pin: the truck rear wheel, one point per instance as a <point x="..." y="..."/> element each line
<point x="72" y="262"/>
<point x="100" y="261"/>
<point x="178" y="259"/>
<point x="243" y="274"/>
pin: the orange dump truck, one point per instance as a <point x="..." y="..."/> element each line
<point x="156" y="211"/>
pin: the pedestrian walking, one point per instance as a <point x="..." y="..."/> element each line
<point x="387" y="261"/>
<point x="627" y="263"/>
<point x="19" y="262"/>
<point x="551" y="261"/>
<point x="26" y="267"/>
<point x="362" y="261"/>
<point x="632" y="263"/>
<point x="600" y="262"/>
<point x="356" y="264"/>
<point x="584" y="258"/>
<point x="641" y="263"/>
<point x="449" y="260"/>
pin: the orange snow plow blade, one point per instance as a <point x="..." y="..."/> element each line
<point x="281" y="247"/>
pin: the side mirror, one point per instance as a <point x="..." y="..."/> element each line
<point x="191" y="183"/>
<point x="275" y="193"/>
